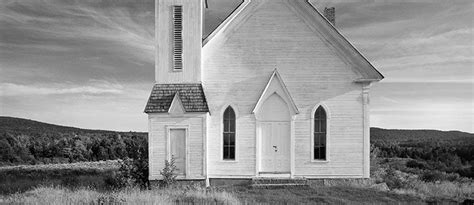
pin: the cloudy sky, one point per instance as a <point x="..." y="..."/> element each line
<point x="89" y="63"/>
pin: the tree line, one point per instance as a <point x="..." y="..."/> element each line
<point x="446" y="158"/>
<point x="69" y="147"/>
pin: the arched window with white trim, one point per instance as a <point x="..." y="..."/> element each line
<point x="229" y="134"/>
<point x="320" y="134"/>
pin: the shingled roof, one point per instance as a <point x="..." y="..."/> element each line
<point x="191" y="95"/>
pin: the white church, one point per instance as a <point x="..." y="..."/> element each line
<point x="275" y="91"/>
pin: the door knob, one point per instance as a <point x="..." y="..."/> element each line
<point x="276" y="148"/>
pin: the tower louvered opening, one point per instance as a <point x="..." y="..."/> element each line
<point x="178" y="37"/>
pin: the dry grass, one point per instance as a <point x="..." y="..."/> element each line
<point x="60" y="196"/>
<point x="197" y="195"/>
<point x="438" y="190"/>
<point x="401" y="182"/>
<point x="83" y="174"/>
<point x="98" y="165"/>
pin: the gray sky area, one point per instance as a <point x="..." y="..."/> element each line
<point x="90" y="64"/>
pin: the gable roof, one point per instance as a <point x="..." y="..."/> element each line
<point x="191" y="96"/>
<point x="276" y="85"/>
<point x="348" y="46"/>
<point x="307" y="11"/>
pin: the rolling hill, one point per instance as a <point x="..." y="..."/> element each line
<point x="25" y="126"/>
<point x="417" y="137"/>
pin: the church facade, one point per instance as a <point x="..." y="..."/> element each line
<point x="274" y="91"/>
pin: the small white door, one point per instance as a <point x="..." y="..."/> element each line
<point x="178" y="149"/>
<point x="275" y="147"/>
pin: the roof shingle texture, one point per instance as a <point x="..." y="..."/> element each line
<point x="191" y="95"/>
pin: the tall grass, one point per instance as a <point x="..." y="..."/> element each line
<point x="459" y="189"/>
<point x="85" y="174"/>
<point x="438" y="190"/>
<point x="60" y="196"/>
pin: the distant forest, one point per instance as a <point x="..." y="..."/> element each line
<point x="451" y="151"/>
<point x="30" y="142"/>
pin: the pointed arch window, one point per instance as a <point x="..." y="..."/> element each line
<point x="229" y="134"/>
<point x="320" y="134"/>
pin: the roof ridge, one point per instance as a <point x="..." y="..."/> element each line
<point x="226" y="21"/>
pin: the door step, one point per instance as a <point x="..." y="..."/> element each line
<point x="265" y="182"/>
<point x="273" y="175"/>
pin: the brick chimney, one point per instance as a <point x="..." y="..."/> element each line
<point x="330" y="14"/>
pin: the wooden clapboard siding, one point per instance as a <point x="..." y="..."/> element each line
<point x="191" y="37"/>
<point x="195" y="123"/>
<point x="245" y="143"/>
<point x="238" y="64"/>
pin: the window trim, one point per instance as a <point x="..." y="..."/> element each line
<point x="221" y="144"/>
<point x="328" y="133"/>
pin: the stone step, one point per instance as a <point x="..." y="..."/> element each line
<point x="278" y="182"/>
<point x="270" y="186"/>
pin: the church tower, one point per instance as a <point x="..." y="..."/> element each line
<point x="177" y="108"/>
<point x="178" y="39"/>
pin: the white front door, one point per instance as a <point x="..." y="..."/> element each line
<point x="275" y="151"/>
<point x="178" y="149"/>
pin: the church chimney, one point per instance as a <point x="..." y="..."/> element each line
<point x="330" y="14"/>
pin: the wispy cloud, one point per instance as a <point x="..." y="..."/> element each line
<point x="52" y="35"/>
<point x="402" y="36"/>
<point x="94" y="88"/>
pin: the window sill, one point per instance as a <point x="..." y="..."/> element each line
<point x="229" y="161"/>
<point x="177" y="70"/>
<point x="320" y="161"/>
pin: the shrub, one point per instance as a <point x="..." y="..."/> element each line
<point x="168" y="173"/>
<point x="394" y="179"/>
<point x="117" y="181"/>
<point x="70" y="181"/>
<point x="416" y="164"/>
<point x="434" y="176"/>
<point x="132" y="172"/>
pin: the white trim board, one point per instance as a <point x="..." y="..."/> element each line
<point x="276" y="85"/>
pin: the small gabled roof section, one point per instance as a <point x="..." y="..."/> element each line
<point x="166" y="96"/>
<point x="176" y="106"/>
<point x="276" y="85"/>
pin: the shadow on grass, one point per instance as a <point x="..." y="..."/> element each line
<point x="316" y="194"/>
<point x="14" y="181"/>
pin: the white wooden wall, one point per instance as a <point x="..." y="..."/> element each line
<point x="239" y="64"/>
<point x="192" y="42"/>
<point x="195" y="123"/>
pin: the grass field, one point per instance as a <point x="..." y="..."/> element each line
<point x="84" y="174"/>
<point x="196" y="195"/>
<point x="83" y="183"/>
